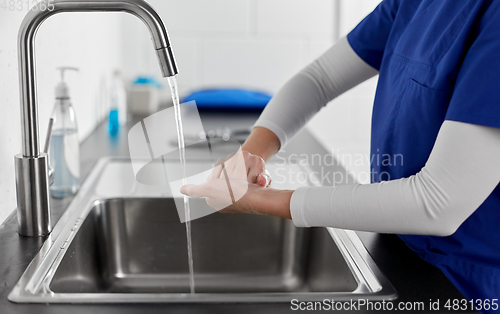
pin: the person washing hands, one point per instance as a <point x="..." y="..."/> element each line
<point x="437" y="104"/>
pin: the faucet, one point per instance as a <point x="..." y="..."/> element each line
<point x="32" y="173"/>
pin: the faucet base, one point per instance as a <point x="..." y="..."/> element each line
<point x="33" y="201"/>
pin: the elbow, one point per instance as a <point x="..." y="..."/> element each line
<point x="444" y="230"/>
<point x="444" y="212"/>
<point x="446" y="224"/>
<point x="443" y="220"/>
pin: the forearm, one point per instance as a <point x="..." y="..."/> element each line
<point x="262" y="142"/>
<point x="336" y="71"/>
<point x="462" y="171"/>
<point x="267" y="201"/>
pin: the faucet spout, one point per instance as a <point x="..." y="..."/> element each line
<point x="32" y="186"/>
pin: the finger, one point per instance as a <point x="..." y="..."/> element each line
<point x="185" y="188"/>
<point x="264" y="179"/>
<point x="261" y="180"/>
<point x="232" y="162"/>
<point x="239" y="169"/>
<point x="195" y="191"/>
<point x="256" y="168"/>
<point x="216" y="172"/>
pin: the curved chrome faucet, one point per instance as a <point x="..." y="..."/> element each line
<point x="33" y="201"/>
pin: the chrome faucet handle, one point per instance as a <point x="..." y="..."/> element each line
<point x="48" y="136"/>
<point x="46" y="149"/>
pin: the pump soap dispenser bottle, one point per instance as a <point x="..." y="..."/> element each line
<point x="64" y="155"/>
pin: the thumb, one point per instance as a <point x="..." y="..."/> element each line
<point x="193" y="190"/>
<point x="264" y="179"/>
<point x="261" y="180"/>
<point x="185" y="189"/>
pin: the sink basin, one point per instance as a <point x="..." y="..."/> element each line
<point x="108" y="248"/>
<point x="112" y="253"/>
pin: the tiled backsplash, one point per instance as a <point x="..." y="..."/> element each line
<point x="238" y="43"/>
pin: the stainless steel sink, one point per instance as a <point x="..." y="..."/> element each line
<point x="109" y="248"/>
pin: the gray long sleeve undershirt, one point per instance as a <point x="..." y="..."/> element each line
<point x="461" y="172"/>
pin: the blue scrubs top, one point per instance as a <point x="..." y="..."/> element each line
<point x="438" y="60"/>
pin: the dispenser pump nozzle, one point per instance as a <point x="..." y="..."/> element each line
<point x="62" y="90"/>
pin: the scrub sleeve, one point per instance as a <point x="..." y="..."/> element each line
<point x="438" y="60"/>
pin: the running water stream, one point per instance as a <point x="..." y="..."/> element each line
<point x="182" y="155"/>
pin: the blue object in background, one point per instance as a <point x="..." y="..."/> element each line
<point x="229" y="100"/>
<point x="147" y="80"/>
<point x="113" y="122"/>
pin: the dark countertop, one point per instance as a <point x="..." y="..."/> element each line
<point x="414" y="279"/>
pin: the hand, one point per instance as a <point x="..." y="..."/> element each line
<point x="255" y="200"/>
<point x="242" y="165"/>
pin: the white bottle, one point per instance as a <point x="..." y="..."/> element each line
<point x="64" y="154"/>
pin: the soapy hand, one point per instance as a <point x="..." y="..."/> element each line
<point x="252" y="166"/>
<point x="228" y="181"/>
<point x="255" y="199"/>
<point x="226" y="196"/>
<point x="239" y="184"/>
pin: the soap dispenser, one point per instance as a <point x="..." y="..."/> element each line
<point x="64" y="153"/>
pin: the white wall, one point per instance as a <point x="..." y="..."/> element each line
<point x="260" y="44"/>
<point x="235" y="43"/>
<point x="344" y="125"/>
<point x="89" y="41"/>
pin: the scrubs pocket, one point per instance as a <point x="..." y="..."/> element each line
<point x="419" y="117"/>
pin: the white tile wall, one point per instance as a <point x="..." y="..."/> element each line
<point x="344" y="125"/>
<point x="352" y="12"/>
<point x="297" y="17"/>
<point x="94" y="47"/>
<point x="315" y="48"/>
<point x="260" y="44"/>
<point x="238" y="43"/>
<point x="202" y="16"/>
<point x="265" y="64"/>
